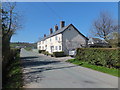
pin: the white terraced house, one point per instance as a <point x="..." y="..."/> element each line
<point x="64" y="39"/>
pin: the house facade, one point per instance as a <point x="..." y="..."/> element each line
<point x="64" y="39"/>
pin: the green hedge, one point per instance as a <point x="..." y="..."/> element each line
<point x="107" y="57"/>
<point x="46" y="53"/>
<point x="12" y="72"/>
<point x="58" y="54"/>
<point x="41" y="51"/>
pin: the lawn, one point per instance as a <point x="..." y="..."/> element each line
<point x="111" y="71"/>
<point x="28" y="48"/>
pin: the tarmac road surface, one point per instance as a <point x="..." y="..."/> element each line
<point x="42" y="71"/>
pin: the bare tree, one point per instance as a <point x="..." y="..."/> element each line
<point x="103" y="25"/>
<point x="10" y="23"/>
<point x="113" y="39"/>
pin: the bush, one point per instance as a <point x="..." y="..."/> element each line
<point x="46" y="53"/>
<point x="41" y="51"/>
<point x="12" y="69"/>
<point x="107" y="57"/>
<point x="58" y="54"/>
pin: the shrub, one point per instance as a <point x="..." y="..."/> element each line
<point x="107" y="57"/>
<point x="13" y="58"/>
<point x="58" y="54"/>
<point x="46" y="53"/>
<point x="41" y="51"/>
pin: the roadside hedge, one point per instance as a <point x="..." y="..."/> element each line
<point x="12" y="74"/>
<point x="41" y="51"/>
<point x="58" y="54"/>
<point x="108" y="57"/>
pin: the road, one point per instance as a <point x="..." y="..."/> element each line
<point x="48" y="72"/>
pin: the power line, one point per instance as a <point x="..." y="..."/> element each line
<point x="53" y="11"/>
<point x="56" y="14"/>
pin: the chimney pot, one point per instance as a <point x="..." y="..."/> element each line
<point x="56" y="27"/>
<point x="51" y="31"/>
<point x="62" y="24"/>
<point x="44" y="35"/>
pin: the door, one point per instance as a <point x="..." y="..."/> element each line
<point x="52" y="49"/>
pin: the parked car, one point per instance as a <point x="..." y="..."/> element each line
<point x="72" y="52"/>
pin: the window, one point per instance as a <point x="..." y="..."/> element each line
<point x="43" y="48"/>
<point x="56" y="48"/>
<point x="59" y="47"/>
<point x="55" y="37"/>
<point x="40" y="47"/>
<point x="46" y="46"/>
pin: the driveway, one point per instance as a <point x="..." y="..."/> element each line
<point x="42" y="71"/>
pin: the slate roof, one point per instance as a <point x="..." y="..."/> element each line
<point x="61" y="31"/>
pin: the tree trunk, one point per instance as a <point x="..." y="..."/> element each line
<point x="5" y="50"/>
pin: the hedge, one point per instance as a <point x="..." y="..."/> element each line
<point x="46" y="53"/>
<point x="58" y="54"/>
<point x="108" y="57"/>
<point x="7" y="72"/>
<point x="41" y="51"/>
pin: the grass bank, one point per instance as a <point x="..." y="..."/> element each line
<point x="28" y="48"/>
<point x="14" y="74"/>
<point x="111" y="71"/>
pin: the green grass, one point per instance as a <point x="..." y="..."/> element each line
<point x="14" y="75"/>
<point x="111" y="71"/>
<point x="28" y="48"/>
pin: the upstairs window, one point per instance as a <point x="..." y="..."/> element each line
<point x="59" y="38"/>
<point x="56" y="38"/>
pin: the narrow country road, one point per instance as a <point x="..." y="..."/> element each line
<point x="48" y="72"/>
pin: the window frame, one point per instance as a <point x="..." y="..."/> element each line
<point x="56" y="47"/>
<point x="60" y="48"/>
<point x="56" y="38"/>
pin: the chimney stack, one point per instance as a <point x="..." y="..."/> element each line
<point x="62" y="24"/>
<point x="44" y="35"/>
<point x="56" y="27"/>
<point x="51" y="31"/>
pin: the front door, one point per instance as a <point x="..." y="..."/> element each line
<point x="52" y="49"/>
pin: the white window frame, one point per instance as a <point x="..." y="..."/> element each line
<point x="60" y="47"/>
<point x="56" y="38"/>
<point x="56" y="47"/>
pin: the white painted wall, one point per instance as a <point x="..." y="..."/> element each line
<point x="52" y="41"/>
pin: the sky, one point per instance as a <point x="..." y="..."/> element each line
<point x="38" y="17"/>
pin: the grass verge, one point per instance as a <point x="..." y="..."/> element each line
<point x="111" y="71"/>
<point x="14" y="74"/>
<point x="28" y="48"/>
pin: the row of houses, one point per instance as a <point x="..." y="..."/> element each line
<point x="64" y="39"/>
